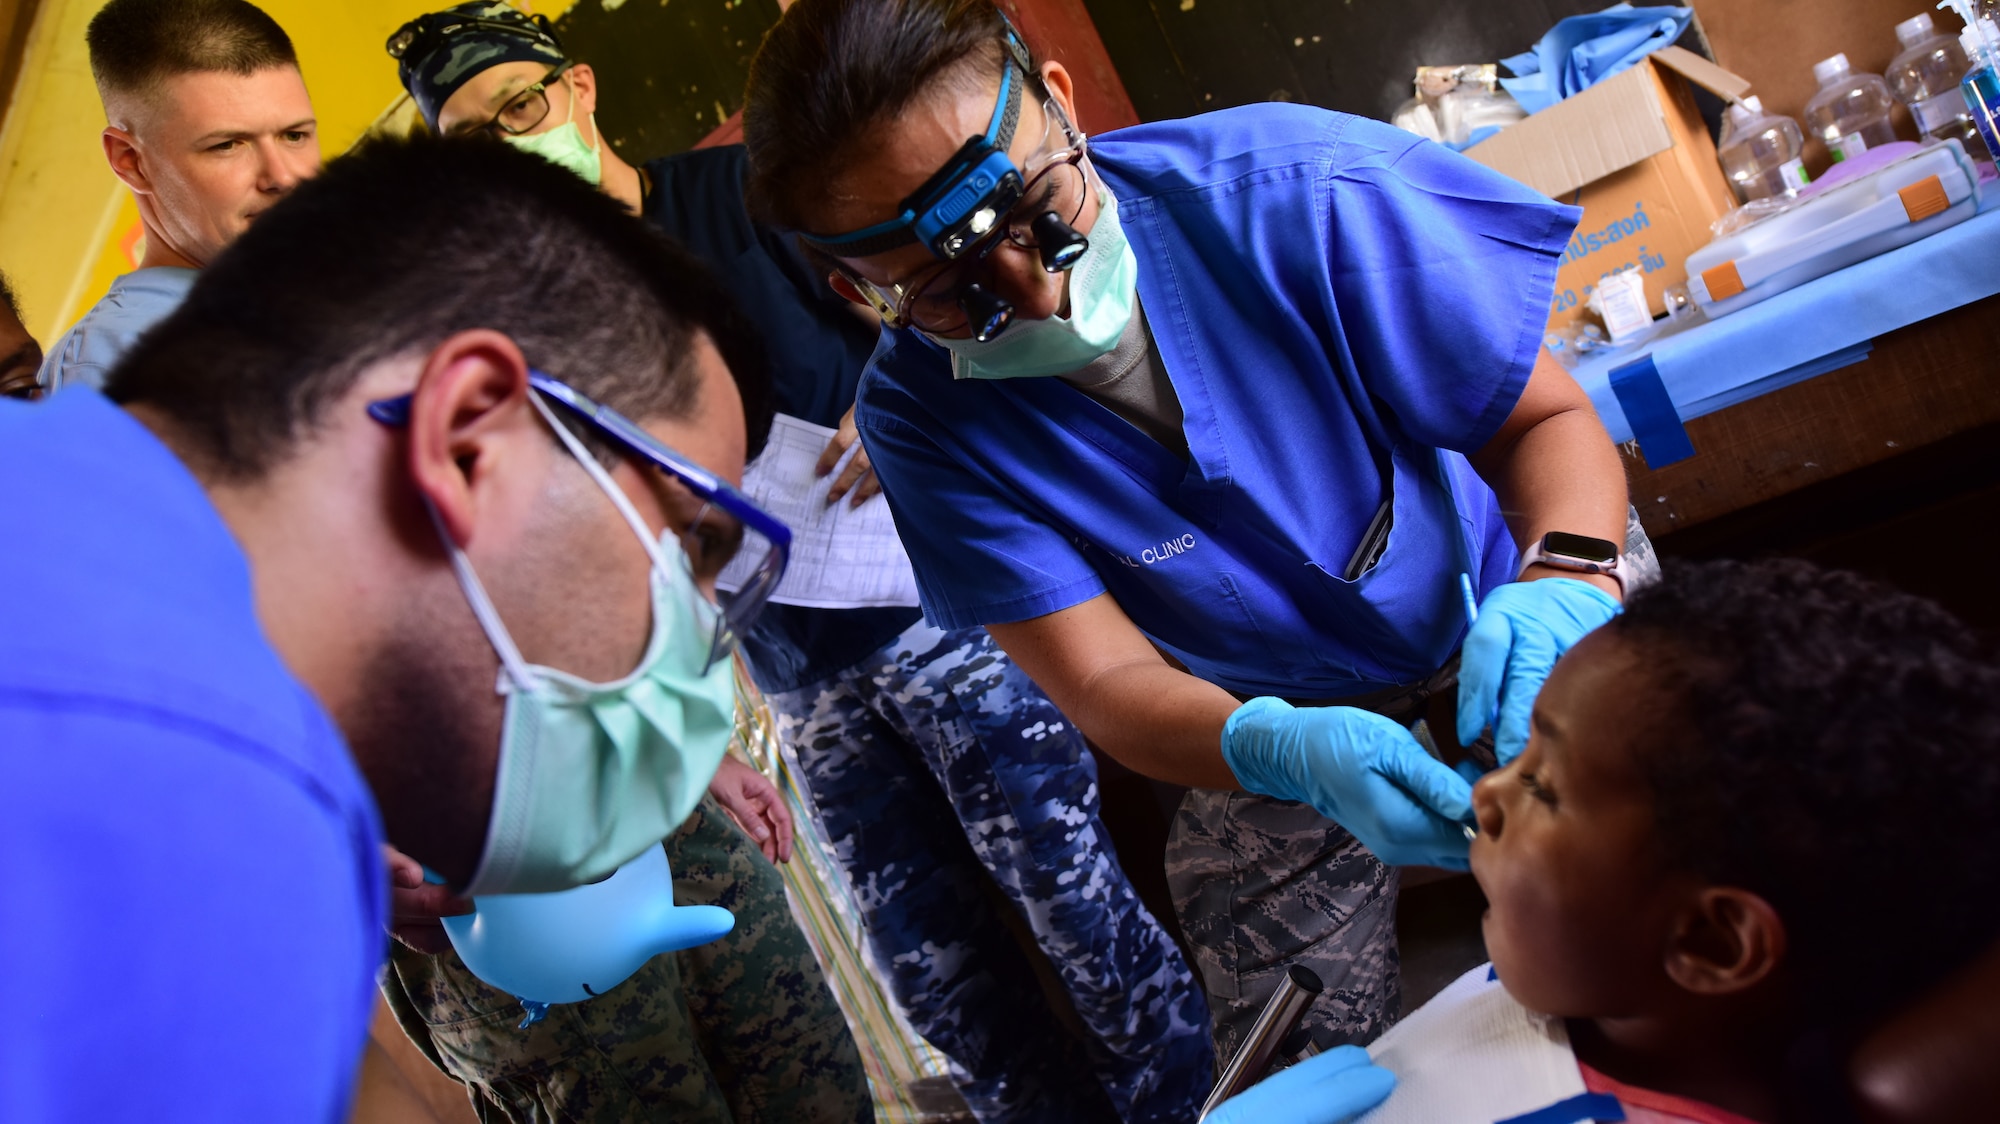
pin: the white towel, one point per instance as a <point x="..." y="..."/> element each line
<point x="1473" y="1056"/>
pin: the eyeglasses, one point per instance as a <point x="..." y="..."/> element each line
<point x="524" y="110"/>
<point x="947" y="296"/>
<point x="743" y="541"/>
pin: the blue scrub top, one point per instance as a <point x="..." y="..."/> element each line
<point x="194" y="902"/>
<point x="135" y="302"/>
<point x="1344" y="309"/>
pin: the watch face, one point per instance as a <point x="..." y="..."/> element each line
<point x="1580" y="546"/>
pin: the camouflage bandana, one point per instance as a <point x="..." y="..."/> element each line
<point x="437" y="53"/>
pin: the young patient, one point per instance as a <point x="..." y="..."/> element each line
<point x="1757" y="810"/>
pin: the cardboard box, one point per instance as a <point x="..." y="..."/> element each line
<point x="1634" y="153"/>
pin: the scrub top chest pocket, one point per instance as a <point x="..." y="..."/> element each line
<point x="1267" y="605"/>
<point x="1400" y="609"/>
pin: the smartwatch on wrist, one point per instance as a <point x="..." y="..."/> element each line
<point x="1580" y="553"/>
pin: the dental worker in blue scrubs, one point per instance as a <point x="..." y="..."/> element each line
<point x="1203" y="420"/>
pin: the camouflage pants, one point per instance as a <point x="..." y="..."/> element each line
<point x="739" y="1030"/>
<point x="1261" y="884"/>
<point x="936" y="762"/>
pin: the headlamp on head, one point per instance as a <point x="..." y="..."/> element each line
<point x="970" y="195"/>
<point x="967" y="197"/>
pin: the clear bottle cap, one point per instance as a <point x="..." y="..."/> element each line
<point x="1976" y="45"/>
<point x="1742" y="113"/>
<point x="1915" y="30"/>
<point x="1828" y="69"/>
<point x="1733" y="122"/>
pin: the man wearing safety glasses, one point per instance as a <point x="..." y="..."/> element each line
<point x="343" y="528"/>
<point x="911" y="740"/>
<point x="1207" y="421"/>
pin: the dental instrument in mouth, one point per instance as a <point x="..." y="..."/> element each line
<point x="1471" y="618"/>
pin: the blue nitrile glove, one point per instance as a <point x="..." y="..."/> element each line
<point x="1329" y="1088"/>
<point x="1358" y="769"/>
<point x="1523" y="629"/>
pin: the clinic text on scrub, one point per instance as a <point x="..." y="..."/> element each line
<point x="1161" y="552"/>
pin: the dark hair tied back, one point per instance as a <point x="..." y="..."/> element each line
<point x="833" y="69"/>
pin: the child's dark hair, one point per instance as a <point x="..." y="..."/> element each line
<point x="1841" y="758"/>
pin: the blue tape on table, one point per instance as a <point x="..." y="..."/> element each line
<point x="1582" y="1107"/>
<point x="1813" y="328"/>
<point x="1656" y="425"/>
<point x="1845" y="357"/>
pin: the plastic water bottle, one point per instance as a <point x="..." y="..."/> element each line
<point x="1851" y="111"/>
<point x="1981" y="40"/>
<point x="1760" y="152"/>
<point x="1926" y="77"/>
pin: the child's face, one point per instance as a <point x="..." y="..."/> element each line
<point x="1581" y="903"/>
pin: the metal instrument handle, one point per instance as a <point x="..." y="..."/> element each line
<point x="1296" y="991"/>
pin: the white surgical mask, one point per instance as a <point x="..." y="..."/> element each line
<point x="1103" y="286"/>
<point x="592" y="774"/>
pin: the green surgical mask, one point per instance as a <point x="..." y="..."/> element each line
<point x="564" y="147"/>
<point x="592" y="774"/>
<point x="1103" y="286"/>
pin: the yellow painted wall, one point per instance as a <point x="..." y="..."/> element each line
<point x="67" y="227"/>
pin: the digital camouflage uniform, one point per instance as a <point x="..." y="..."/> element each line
<point x="935" y="763"/>
<point x="738" y="1030"/>
<point x="1261" y="884"/>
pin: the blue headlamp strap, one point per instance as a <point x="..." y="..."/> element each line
<point x="972" y="184"/>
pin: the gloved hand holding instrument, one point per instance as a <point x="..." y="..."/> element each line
<point x="1357" y="768"/>
<point x="1523" y="628"/>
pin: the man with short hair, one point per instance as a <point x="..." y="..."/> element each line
<point x="336" y="509"/>
<point x="744" y="1028"/>
<point x="936" y="767"/>
<point x="208" y="123"/>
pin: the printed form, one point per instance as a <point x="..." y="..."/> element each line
<point x="842" y="557"/>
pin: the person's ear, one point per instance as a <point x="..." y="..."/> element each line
<point x="122" y="153"/>
<point x="1061" y="88"/>
<point x="845" y="286"/>
<point x="583" y="83"/>
<point x="471" y="398"/>
<point x="1726" y="941"/>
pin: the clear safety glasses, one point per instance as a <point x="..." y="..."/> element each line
<point x="947" y="297"/>
<point x="524" y="110"/>
<point x="731" y="543"/>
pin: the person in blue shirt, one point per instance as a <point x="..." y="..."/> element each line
<point x="316" y="513"/>
<point x="934" y="765"/>
<point x="1204" y="420"/>
<point x="209" y="125"/>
